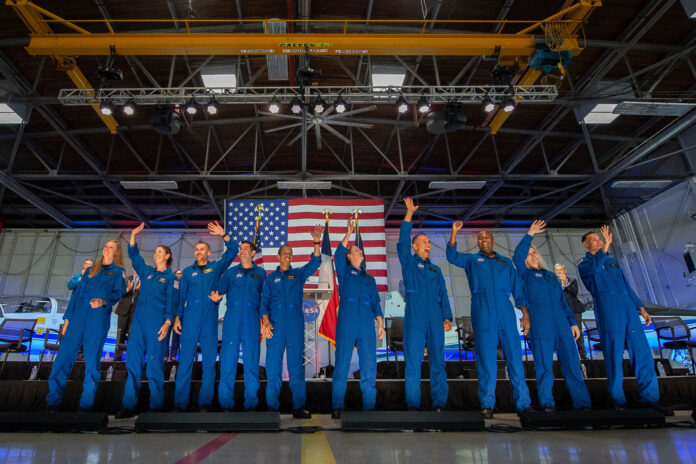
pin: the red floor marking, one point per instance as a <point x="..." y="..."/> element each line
<point x="206" y="450"/>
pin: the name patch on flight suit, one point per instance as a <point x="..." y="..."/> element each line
<point x="500" y="260"/>
<point x="109" y="273"/>
<point x="161" y="279"/>
<point x="255" y="276"/>
<point x="433" y="269"/>
<point x="549" y="276"/>
<point x="208" y="271"/>
<point x="613" y="265"/>
<point x="291" y="277"/>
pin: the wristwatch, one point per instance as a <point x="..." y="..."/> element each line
<point x="317" y="243"/>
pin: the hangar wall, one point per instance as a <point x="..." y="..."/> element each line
<point x="41" y="262"/>
<point x="649" y="241"/>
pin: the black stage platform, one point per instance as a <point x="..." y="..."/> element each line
<point x="676" y="392"/>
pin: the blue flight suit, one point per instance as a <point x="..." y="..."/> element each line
<point x="491" y="281"/>
<point x="242" y="324"/>
<point x="74" y="282"/>
<point x="551" y="320"/>
<point x="199" y="325"/>
<point x="427" y="306"/>
<point x="359" y="307"/>
<point x="155" y="305"/>
<point x="616" y="311"/>
<point x="87" y="327"/>
<point x="281" y="301"/>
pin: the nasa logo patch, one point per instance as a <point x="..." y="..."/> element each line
<point x="480" y="260"/>
<point x="538" y="275"/>
<point x="194" y="274"/>
<point x="421" y="265"/>
<point x="149" y="277"/>
<point x="276" y="280"/>
<point x="240" y="275"/>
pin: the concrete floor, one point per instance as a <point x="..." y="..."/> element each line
<point x="668" y="445"/>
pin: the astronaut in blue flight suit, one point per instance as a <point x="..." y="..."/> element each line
<point x="616" y="309"/>
<point x="427" y="317"/>
<point x="72" y="285"/>
<point x="197" y="319"/>
<point x="359" y="307"/>
<point x="552" y="324"/>
<point x="242" y="324"/>
<point x="152" y="318"/>
<point x="492" y="278"/>
<point x="86" y="323"/>
<point x="281" y="311"/>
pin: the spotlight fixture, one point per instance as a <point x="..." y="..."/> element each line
<point x="106" y="107"/>
<point x="191" y="107"/>
<point x="129" y="108"/>
<point x="340" y="105"/>
<point x="213" y="106"/>
<point x="274" y="106"/>
<point x="508" y="105"/>
<point x="319" y="104"/>
<point x="488" y="104"/>
<point x="401" y="104"/>
<point x="423" y="105"/>
<point x="296" y="105"/>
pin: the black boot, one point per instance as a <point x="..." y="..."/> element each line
<point x="124" y="413"/>
<point x="301" y="414"/>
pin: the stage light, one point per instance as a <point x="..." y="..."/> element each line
<point x="401" y="104"/>
<point x="191" y="107"/>
<point x="319" y="104"/>
<point x="508" y="105"/>
<point x="488" y="105"/>
<point x="213" y="106"/>
<point x="340" y="105"/>
<point x="296" y="105"/>
<point x="274" y="106"/>
<point x="129" y="108"/>
<point x="423" y="105"/>
<point x="106" y="107"/>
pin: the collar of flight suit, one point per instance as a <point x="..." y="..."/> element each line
<point x="288" y="270"/>
<point x="495" y="255"/>
<point x="418" y="258"/>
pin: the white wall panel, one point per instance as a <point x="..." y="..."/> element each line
<point x="650" y="241"/>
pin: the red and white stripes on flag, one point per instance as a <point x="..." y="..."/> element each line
<point x="305" y="213"/>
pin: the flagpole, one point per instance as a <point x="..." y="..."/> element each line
<point x="327" y="214"/>
<point x="259" y="209"/>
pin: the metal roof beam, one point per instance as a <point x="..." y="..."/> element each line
<point x="14" y="185"/>
<point x="634" y="156"/>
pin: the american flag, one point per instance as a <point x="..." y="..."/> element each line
<point x="290" y="221"/>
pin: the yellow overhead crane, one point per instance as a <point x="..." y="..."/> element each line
<point x="511" y="48"/>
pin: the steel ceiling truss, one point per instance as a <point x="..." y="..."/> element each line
<point x="474" y="94"/>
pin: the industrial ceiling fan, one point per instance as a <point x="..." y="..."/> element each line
<point x="317" y="121"/>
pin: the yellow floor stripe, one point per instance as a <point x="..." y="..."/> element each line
<point x="315" y="446"/>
